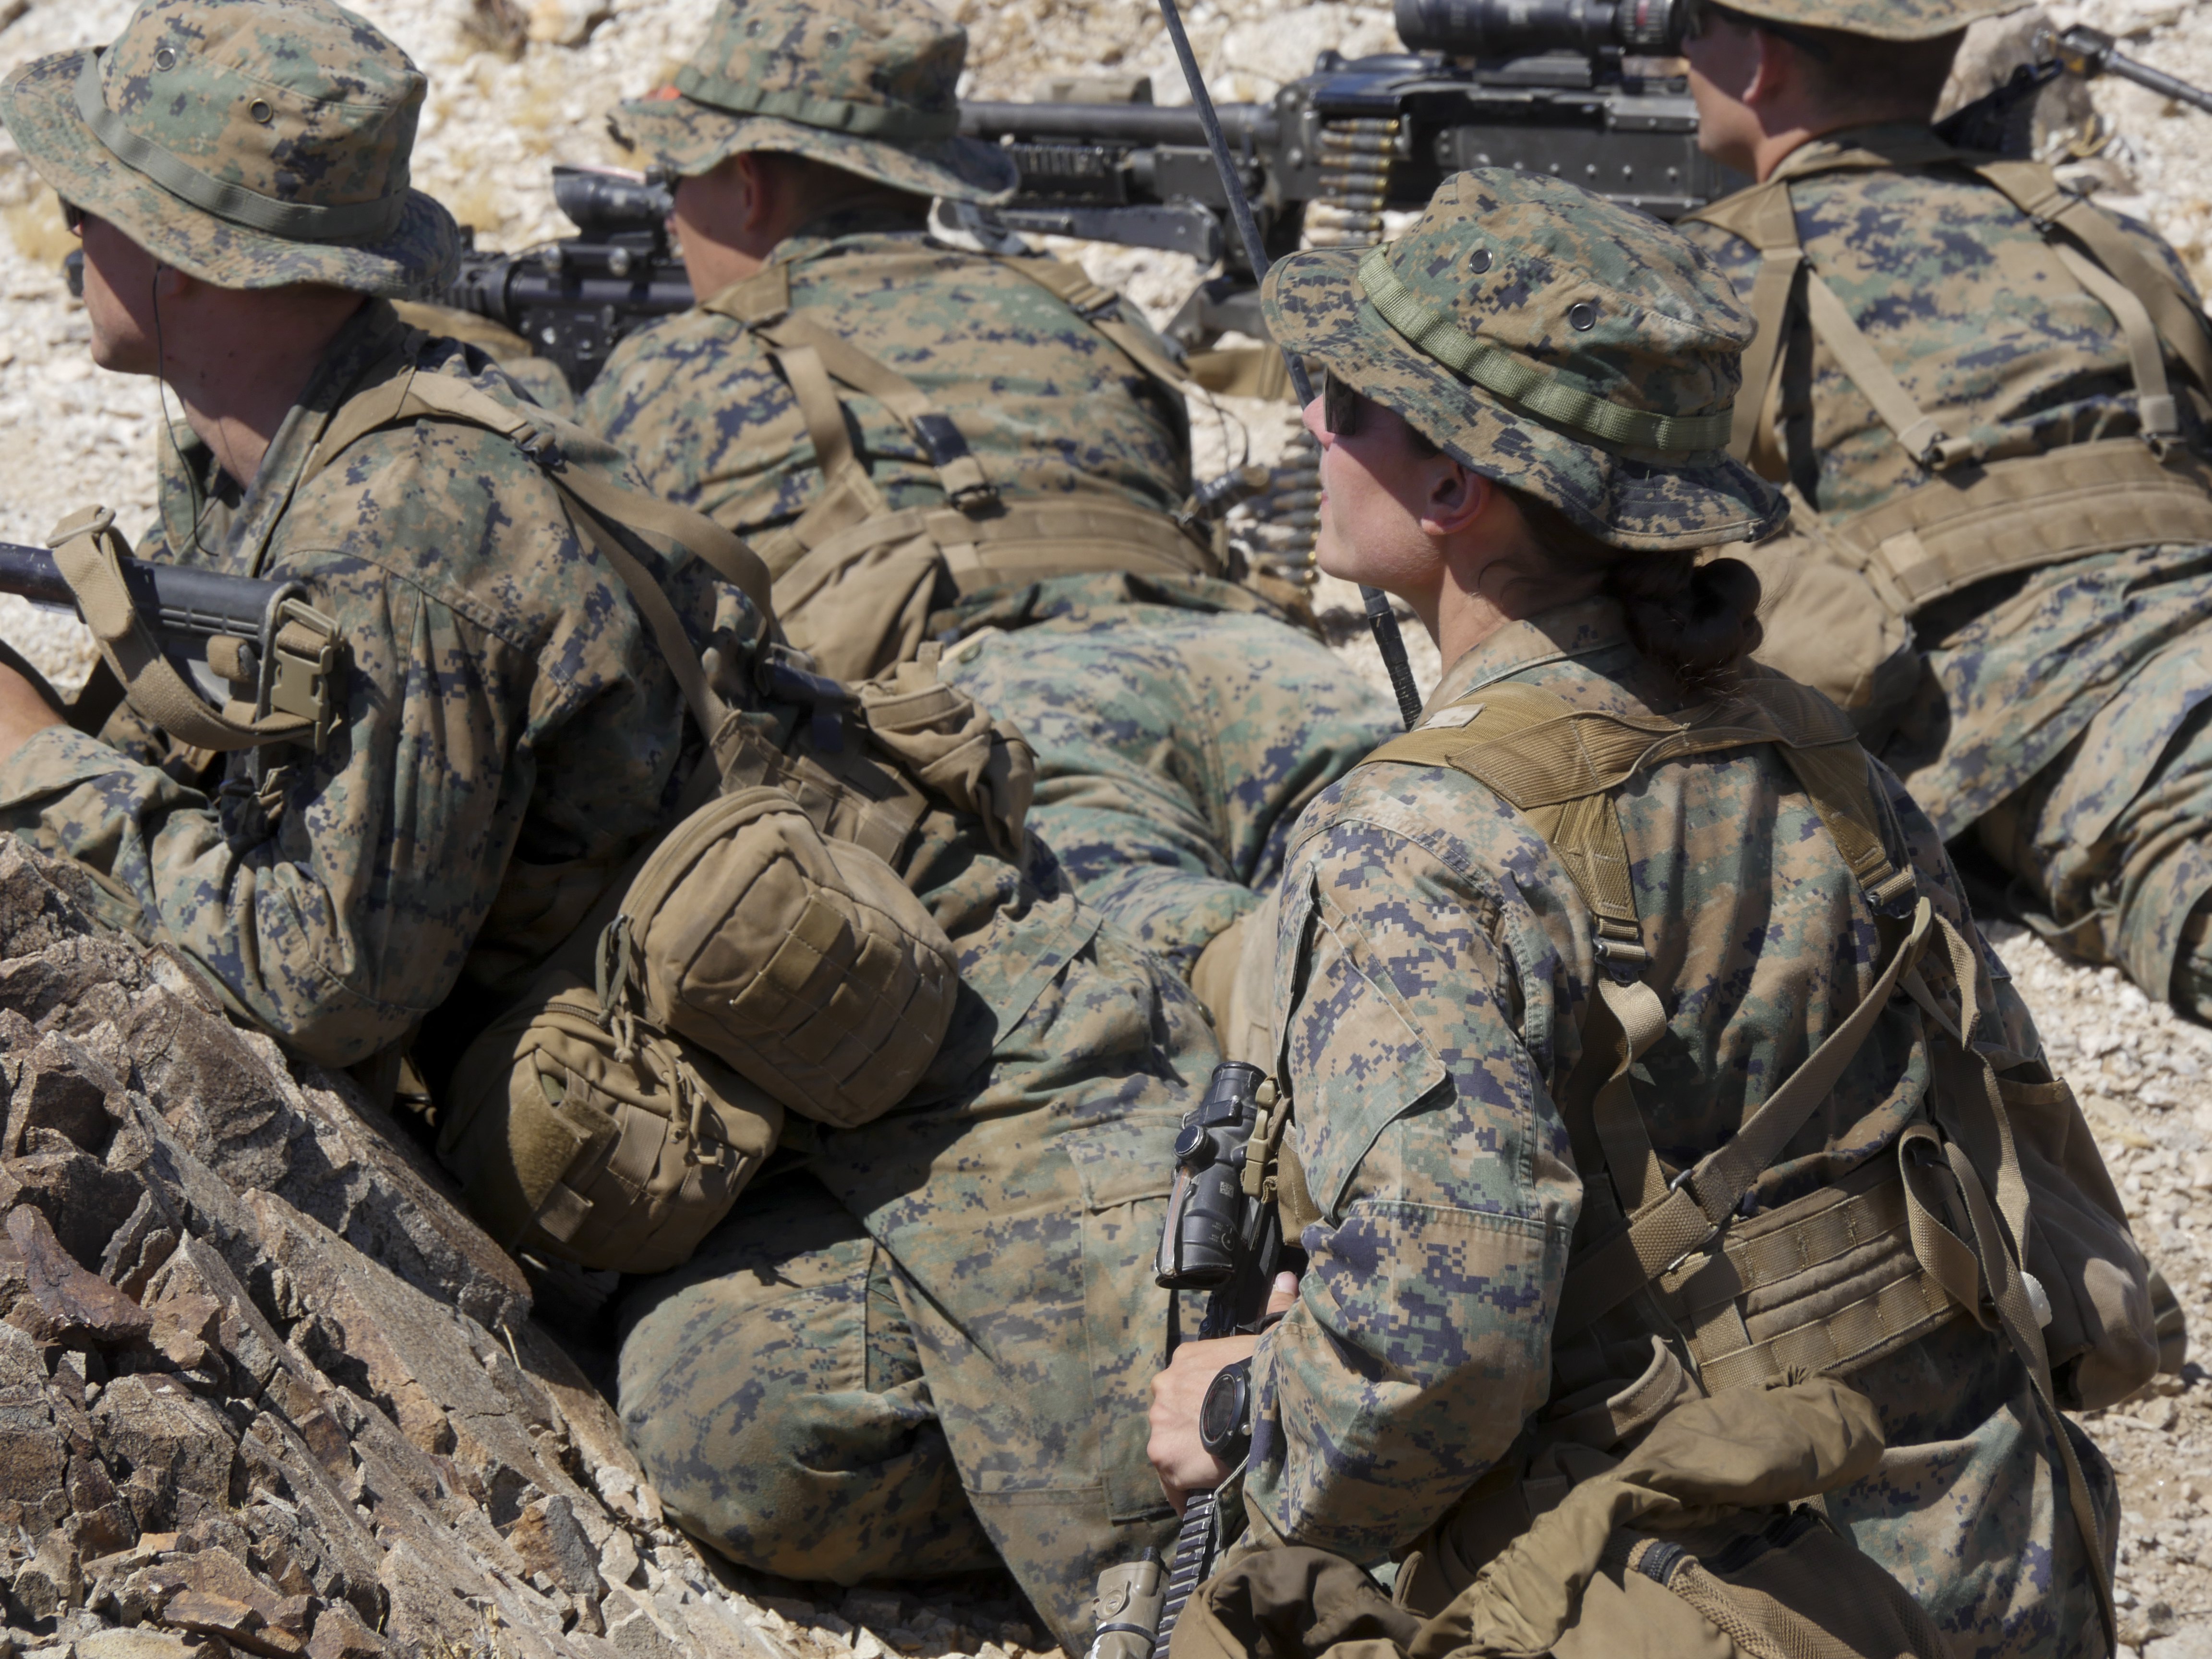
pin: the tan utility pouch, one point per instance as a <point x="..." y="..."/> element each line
<point x="598" y="1141"/>
<point x="1696" y="1542"/>
<point x="803" y="963"/>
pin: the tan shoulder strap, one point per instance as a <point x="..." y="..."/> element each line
<point x="2145" y="301"/>
<point x="1561" y="766"/>
<point x="2034" y="188"/>
<point x="607" y="511"/>
<point x="1100" y="307"/>
<point x="1763" y="216"/>
<point x="764" y="308"/>
<point x="2156" y="412"/>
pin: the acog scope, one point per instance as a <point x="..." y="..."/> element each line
<point x="1496" y="29"/>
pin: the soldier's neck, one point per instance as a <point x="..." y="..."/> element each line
<point x="1775" y="148"/>
<point x="240" y="371"/>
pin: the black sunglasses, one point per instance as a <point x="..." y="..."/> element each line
<point x="72" y="215"/>
<point x="1341" y="406"/>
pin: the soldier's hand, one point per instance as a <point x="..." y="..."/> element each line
<point x="24" y="710"/>
<point x="1178" y="1455"/>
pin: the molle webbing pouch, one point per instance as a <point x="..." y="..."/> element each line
<point x="598" y="1141"/>
<point x="855" y="581"/>
<point x="754" y="958"/>
<point x="1842" y="592"/>
<point x="802" y="963"/>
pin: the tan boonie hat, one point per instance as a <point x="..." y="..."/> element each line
<point x="865" y="85"/>
<point x="250" y="144"/>
<point x="1878" y="19"/>
<point x="1552" y="341"/>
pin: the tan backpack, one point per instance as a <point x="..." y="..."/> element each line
<point x="1842" y="591"/>
<point x="766" y="956"/>
<point x="1664" y="1263"/>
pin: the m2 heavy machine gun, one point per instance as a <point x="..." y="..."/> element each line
<point x="1577" y="88"/>
<point x="574" y="300"/>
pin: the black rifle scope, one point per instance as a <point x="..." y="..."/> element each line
<point x="605" y="204"/>
<point x="1494" y="29"/>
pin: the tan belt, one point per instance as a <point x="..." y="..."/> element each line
<point x="1829" y="1283"/>
<point x="1963" y="526"/>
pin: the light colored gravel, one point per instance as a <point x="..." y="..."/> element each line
<point x="494" y="120"/>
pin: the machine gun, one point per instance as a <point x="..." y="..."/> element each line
<point x="574" y="300"/>
<point x="1571" y="88"/>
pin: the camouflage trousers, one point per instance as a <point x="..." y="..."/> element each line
<point x="2112" y="841"/>
<point x="935" y="1341"/>
<point x="1175" y="748"/>
<point x="1969" y="1509"/>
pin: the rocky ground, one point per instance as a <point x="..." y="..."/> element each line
<point x="265" y="1390"/>
<point x="320" y="1423"/>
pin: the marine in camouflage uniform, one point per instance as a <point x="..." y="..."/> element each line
<point x="507" y="732"/>
<point x="1438" y="967"/>
<point x="912" y="1347"/>
<point x="2054" y="716"/>
<point x="1180" y="722"/>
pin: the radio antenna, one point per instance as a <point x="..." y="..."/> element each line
<point x="1381" y="621"/>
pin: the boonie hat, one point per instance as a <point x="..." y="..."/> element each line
<point x="1878" y="19"/>
<point x="1552" y="341"/>
<point x="865" y="85"/>
<point x="248" y="143"/>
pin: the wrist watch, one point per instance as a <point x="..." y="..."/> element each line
<point x="1225" y="1416"/>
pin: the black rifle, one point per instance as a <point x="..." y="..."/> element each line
<point x="1570" y="87"/>
<point x="182" y="607"/>
<point x="574" y="300"/>
<point x="2002" y="121"/>
<point x="1222" y="1240"/>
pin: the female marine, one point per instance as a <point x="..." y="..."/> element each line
<point x="1544" y="962"/>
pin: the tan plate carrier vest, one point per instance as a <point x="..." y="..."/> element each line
<point x="1859" y="578"/>
<point x="1835" y="1280"/>
<point x="855" y="581"/>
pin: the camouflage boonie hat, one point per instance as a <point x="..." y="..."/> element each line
<point x="865" y="85"/>
<point x="1878" y="19"/>
<point x="250" y="143"/>
<point x="1552" y="341"/>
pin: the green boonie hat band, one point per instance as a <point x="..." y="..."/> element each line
<point x="1430" y="331"/>
<point x="305" y="221"/>
<point x="830" y="114"/>
<point x="1552" y="341"/>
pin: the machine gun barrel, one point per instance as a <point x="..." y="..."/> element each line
<point x="2085" y="51"/>
<point x="1120" y="123"/>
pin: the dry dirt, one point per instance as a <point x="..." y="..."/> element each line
<point x="516" y="85"/>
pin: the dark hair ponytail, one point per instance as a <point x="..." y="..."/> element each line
<point x="1699" y="622"/>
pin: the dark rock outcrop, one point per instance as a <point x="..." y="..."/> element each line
<point x="265" y="1389"/>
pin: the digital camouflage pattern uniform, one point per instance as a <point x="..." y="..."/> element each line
<point x="910" y="1346"/>
<point x="1179" y="723"/>
<point x="509" y="731"/>
<point x="2058" y="717"/>
<point x="1436" y="958"/>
